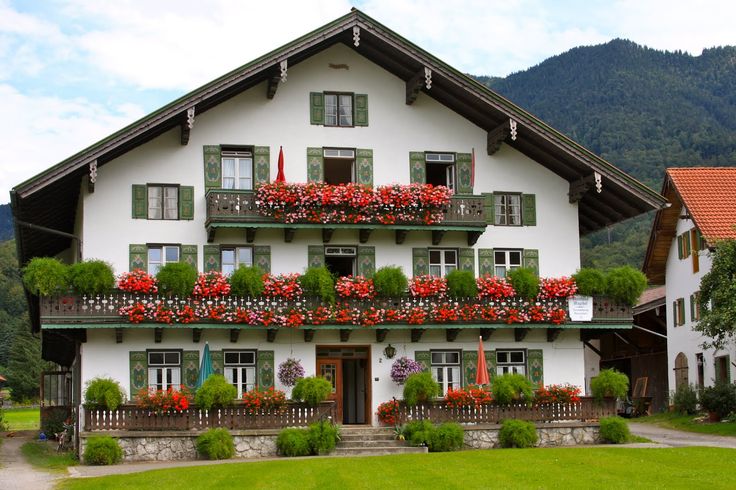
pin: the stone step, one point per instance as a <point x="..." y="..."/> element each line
<point x="375" y="451"/>
<point x="382" y="443"/>
<point x="366" y="437"/>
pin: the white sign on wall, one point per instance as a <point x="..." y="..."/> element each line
<point x="581" y="308"/>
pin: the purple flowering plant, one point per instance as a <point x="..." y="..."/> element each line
<point x="290" y="371"/>
<point x="402" y="368"/>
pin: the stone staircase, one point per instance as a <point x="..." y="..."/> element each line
<point x="366" y="440"/>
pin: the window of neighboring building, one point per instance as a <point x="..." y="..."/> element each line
<point x="340" y="261"/>
<point x="446" y="369"/>
<point x="160" y="255"/>
<point x="678" y="312"/>
<point x="237" y="169"/>
<point x="683" y="245"/>
<point x="440" y="169"/>
<point x="240" y="370"/>
<point x="695" y="306"/>
<point x="442" y="261"/>
<point x="234" y="257"/>
<point x="164" y="369"/>
<point x="338" y="109"/>
<point x="507" y="209"/>
<point x="339" y="165"/>
<point x="511" y="361"/>
<point x="504" y="261"/>
<point x="163" y="202"/>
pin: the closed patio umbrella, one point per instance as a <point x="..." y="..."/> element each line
<point x="481" y="374"/>
<point x="280" y="176"/>
<point x="205" y="367"/>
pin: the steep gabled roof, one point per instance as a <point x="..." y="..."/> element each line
<point x="49" y="199"/>
<point x="706" y="195"/>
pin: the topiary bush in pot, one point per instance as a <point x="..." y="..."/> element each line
<point x="102" y="450"/>
<point x="215" y="392"/>
<point x="609" y="383"/>
<point x="685" y="400"/>
<point x="517" y="433"/>
<point x="312" y="390"/>
<point x="176" y="279"/>
<point x="390" y="281"/>
<point x="420" y="387"/>
<point x="216" y="444"/>
<point x="103" y="393"/>
<point x="293" y="442"/>
<point x="91" y="277"/>
<point x="590" y="282"/>
<point x="512" y="388"/>
<point x="625" y="284"/>
<point x="317" y="281"/>
<point x="45" y="276"/>
<point x="525" y="283"/>
<point x="719" y="400"/>
<point x="323" y="437"/>
<point x="614" y="430"/>
<point x="246" y="281"/>
<point x="461" y="284"/>
<point x="449" y="436"/>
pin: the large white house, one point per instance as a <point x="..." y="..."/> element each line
<point x="349" y="102"/>
<point x="702" y="212"/>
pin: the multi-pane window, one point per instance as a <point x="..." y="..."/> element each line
<point x="446" y="369"/>
<point x="240" y="370"/>
<point x="511" y="361"/>
<point x="695" y="306"/>
<point x="160" y="255"/>
<point x="505" y="261"/>
<point x="442" y="261"/>
<point x="163" y="202"/>
<point x="234" y="257"/>
<point x="338" y="109"/>
<point x="164" y="369"/>
<point x="237" y="170"/>
<point x="440" y="169"/>
<point x="678" y="312"/>
<point x="339" y="165"/>
<point x="507" y="209"/>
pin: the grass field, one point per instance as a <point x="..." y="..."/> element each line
<point x="690" y="423"/>
<point x="22" y="418"/>
<point x="43" y="455"/>
<point x="500" y="468"/>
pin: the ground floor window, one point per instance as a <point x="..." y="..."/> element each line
<point x="340" y="261"/>
<point x="505" y="261"/>
<point x="240" y="370"/>
<point x="160" y="255"/>
<point x="446" y="369"/>
<point x="511" y="361"/>
<point x="234" y="257"/>
<point x="164" y="370"/>
<point x="442" y="261"/>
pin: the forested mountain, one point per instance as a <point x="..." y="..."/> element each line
<point x="6" y="222"/>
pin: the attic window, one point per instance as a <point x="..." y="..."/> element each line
<point x="339" y="110"/>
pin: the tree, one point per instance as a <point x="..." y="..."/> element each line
<point x="717" y="298"/>
<point x="25" y="364"/>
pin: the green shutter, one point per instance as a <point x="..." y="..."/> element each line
<point x="361" y="110"/>
<point x="364" y="167"/>
<point x="535" y="361"/>
<point x="679" y="247"/>
<point x="138" y="372"/>
<point x="189" y="255"/>
<point x="190" y="369"/>
<point x="467" y="259"/>
<point x="262" y="164"/>
<point x="315" y="256"/>
<point x="316" y="108"/>
<point x="315" y="165"/>
<point x="463" y="171"/>
<point x="186" y="202"/>
<point x="674" y="314"/>
<point x="265" y="367"/>
<point x="137" y="256"/>
<point x="531" y="259"/>
<point x="262" y="257"/>
<point x="424" y="358"/>
<point x="681" y="311"/>
<point x="419" y="261"/>
<point x="692" y="307"/>
<point x="686" y="241"/>
<point x="417" y="168"/>
<point x="366" y="261"/>
<point x="140" y="201"/>
<point x="218" y="361"/>
<point x="470" y="367"/>
<point x="529" y="210"/>
<point x="491" y="364"/>
<point x="485" y="262"/>
<point x="211" y="258"/>
<point x="489" y="209"/>
<point x="212" y="167"/>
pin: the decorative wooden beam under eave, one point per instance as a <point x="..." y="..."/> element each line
<point x="278" y="76"/>
<point x="186" y="126"/>
<point x="496" y="136"/>
<point x="414" y="84"/>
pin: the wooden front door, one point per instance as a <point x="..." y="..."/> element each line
<point x="331" y="370"/>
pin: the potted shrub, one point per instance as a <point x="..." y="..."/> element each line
<point x="317" y="281"/>
<point x="525" y="283"/>
<point x="176" y="279"/>
<point x="625" y="284"/>
<point x="312" y="390"/>
<point x="718" y="400"/>
<point x="590" y="282"/>
<point x="461" y="284"/>
<point x="45" y="276"/>
<point x="246" y="281"/>
<point x="103" y="393"/>
<point x="91" y="277"/>
<point x="215" y="392"/>
<point x="512" y="388"/>
<point x="609" y="383"/>
<point x="390" y="281"/>
<point x="419" y="388"/>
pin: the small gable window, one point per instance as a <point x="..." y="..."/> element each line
<point x="163" y="202"/>
<point x="507" y="209"/>
<point x="338" y="109"/>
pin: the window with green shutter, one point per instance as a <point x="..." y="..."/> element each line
<point x="529" y="209"/>
<point x="265" y="363"/>
<point x="162" y="202"/>
<point x="262" y="257"/>
<point x="315" y="165"/>
<point x="531" y="259"/>
<point x="138" y="372"/>
<point x="364" y="166"/>
<point x="466" y="259"/>
<point x="211" y="258"/>
<point x="485" y="262"/>
<point x="140" y="201"/>
<point x="464" y="171"/>
<point x="366" y="261"/>
<point x="212" y="167"/>
<point x="361" y="110"/>
<point x="417" y="168"/>
<point x="186" y="202"/>
<point x="190" y="369"/>
<point x="420" y="261"/>
<point x="316" y="108"/>
<point x="262" y="164"/>
<point x="151" y="257"/>
<point x="535" y="361"/>
<point x="137" y="257"/>
<point x="338" y="109"/>
<point x="315" y="256"/>
<point x="189" y="255"/>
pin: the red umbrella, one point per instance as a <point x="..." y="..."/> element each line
<point x="481" y="374"/>
<point x="280" y="176"/>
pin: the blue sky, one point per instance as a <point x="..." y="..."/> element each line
<point x="74" y="71"/>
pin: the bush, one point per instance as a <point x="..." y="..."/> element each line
<point x="246" y="281"/>
<point x="517" y="433"/>
<point x="512" y="388"/>
<point x="216" y="444"/>
<point x="590" y="282"/>
<point x="313" y="390"/>
<point x="102" y="450"/>
<point x="614" y="430"/>
<point x="449" y="436"/>
<point x="317" y="281"/>
<point x="625" y="284"/>
<point x="176" y="279"/>
<point x="91" y="277"/>
<point x="461" y="284"/>
<point x="390" y="281"/>
<point x="420" y="387"/>
<point x="323" y="437"/>
<point x="45" y="276"/>
<point x="215" y="392"/>
<point x="53" y="422"/>
<point x="609" y="383"/>
<point x="719" y="399"/>
<point x="525" y="282"/>
<point x="419" y="432"/>
<point x="104" y="393"/>
<point x="293" y="442"/>
<point x="685" y="400"/>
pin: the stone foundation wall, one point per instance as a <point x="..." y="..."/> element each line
<point x="550" y="435"/>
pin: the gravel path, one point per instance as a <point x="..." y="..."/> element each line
<point x="15" y="473"/>
<point x="678" y="438"/>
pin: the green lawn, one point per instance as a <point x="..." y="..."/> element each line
<point x="690" y="423"/>
<point x="22" y="418"/>
<point x="500" y="468"/>
<point x="43" y="455"/>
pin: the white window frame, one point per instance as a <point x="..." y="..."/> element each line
<point x="445" y="266"/>
<point x="228" y="266"/>
<point x="166" y="374"/>
<point x="507" y="361"/>
<point x="235" y="179"/>
<point x="154" y="265"/>
<point x="448" y="161"/>
<point x="240" y="374"/>
<point x="447" y="374"/>
<point x="165" y="206"/>
<point x="333" y="111"/>
<point x="506" y="211"/>
<point x="502" y="269"/>
<point x="347" y="154"/>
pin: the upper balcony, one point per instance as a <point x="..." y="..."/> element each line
<point x="402" y="208"/>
